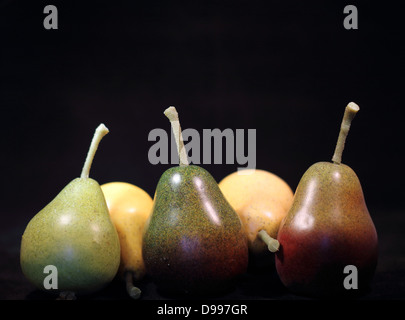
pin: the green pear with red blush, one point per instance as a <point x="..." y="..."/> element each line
<point x="328" y="228"/>
<point x="194" y="242"/>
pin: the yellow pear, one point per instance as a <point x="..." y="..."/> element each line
<point x="129" y="207"/>
<point x="262" y="200"/>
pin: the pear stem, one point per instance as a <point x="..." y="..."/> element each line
<point x="350" y="112"/>
<point x="272" y="244"/>
<point x="173" y="116"/>
<point x="101" y="131"/>
<point x="133" y="291"/>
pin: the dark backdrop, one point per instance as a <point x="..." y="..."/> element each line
<point x="284" y="68"/>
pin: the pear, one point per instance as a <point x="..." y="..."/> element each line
<point x="73" y="233"/>
<point x="261" y="199"/>
<point x="328" y="228"/>
<point x="194" y="242"/>
<point x="129" y="207"/>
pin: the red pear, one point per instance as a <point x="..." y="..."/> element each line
<point x="328" y="228"/>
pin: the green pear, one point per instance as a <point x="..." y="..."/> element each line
<point x="73" y="233"/>
<point x="194" y="242"/>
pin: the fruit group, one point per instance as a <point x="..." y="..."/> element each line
<point x="194" y="241"/>
<point x="129" y="207"/>
<point x="262" y="200"/>
<point x="327" y="228"/>
<point x="75" y="234"/>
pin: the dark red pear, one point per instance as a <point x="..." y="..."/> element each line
<point x="328" y="228"/>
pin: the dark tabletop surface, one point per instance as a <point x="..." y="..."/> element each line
<point x="259" y="283"/>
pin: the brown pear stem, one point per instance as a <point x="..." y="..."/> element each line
<point x="173" y="116"/>
<point x="133" y="291"/>
<point x="272" y="244"/>
<point x="350" y="112"/>
<point x="101" y="131"/>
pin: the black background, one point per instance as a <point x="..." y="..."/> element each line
<point x="284" y="68"/>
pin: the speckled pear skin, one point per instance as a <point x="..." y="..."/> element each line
<point x="74" y="233"/>
<point x="194" y="242"/>
<point x="327" y="228"/>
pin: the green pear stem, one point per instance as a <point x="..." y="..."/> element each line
<point x="272" y="244"/>
<point x="350" y="112"/>
<point x="173" y="116"/>
<point x="133" y="291"/>
<point x="101" y="131"/>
